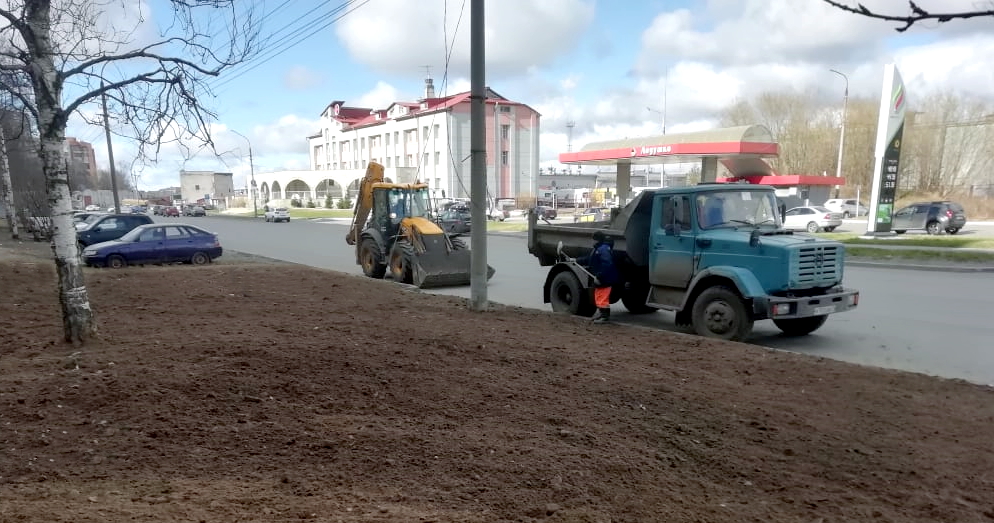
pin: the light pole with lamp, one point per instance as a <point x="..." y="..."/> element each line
<point x="842" y="134"/>
<point x="255" y="201"/>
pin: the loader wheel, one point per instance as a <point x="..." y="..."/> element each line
<point x="371" y="259"/>
<point x="567" y="295"/>
<point x="400" y="262"/>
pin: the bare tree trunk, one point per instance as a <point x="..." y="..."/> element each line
<point x="7" y="189"/>
<point x="78" y="321"/>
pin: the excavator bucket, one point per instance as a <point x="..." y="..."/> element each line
<point x="438" y="266"/>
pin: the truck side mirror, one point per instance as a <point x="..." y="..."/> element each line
<point x="676" y="224"/>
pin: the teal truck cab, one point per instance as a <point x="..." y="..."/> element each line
<point x="716" y="254"/>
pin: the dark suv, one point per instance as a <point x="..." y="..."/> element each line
<point x="932" y="217"/>
<point x="108" y="227"/>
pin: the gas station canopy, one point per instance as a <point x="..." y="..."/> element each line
<point x="727" y="144"/>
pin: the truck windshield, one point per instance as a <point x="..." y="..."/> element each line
<point x="736" y="208"/>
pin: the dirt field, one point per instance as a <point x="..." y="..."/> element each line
<point x="266" y="392"/>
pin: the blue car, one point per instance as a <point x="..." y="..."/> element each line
<point x="156" y="244"/>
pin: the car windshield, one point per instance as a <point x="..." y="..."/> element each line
<point x="92" y="218"/>
<point x="404" y="202"/>
<point x="737" y="208"/>
<point x="821" y="209"/>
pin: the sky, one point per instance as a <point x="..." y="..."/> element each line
<point x="614" y="68"/>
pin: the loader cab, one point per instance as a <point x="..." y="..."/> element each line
<point x="407" y="203"/>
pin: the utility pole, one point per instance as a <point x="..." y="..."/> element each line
<point x="110" y="153"/>
<point x="255" y="201"/>
<point x="842" y="134"/>
<point x="478" y="154"/>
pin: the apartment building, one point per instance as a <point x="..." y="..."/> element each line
<point x="81" y="154"/>
<point x="432" y="135"/>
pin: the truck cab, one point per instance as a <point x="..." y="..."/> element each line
<point x="716" y="254"/>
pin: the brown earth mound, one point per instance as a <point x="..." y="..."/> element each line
<point x="266" y="392"/>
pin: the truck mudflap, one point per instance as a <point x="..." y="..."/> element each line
<point x="837" y="299"/>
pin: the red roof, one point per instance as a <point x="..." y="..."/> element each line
<point x="354" y="117"/>
<point x="787" y="179"/>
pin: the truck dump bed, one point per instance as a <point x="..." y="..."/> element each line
<point x="629" y="227"/>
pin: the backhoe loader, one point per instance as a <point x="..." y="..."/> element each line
<point x="391" y="230"/>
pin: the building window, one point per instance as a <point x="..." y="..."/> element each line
<point x="505" y="131"/>
<point x="435" y="130"/>
<point x="425" y="132"/>
<point x="363" y="143"/>
<point x="396" y="137"/>
<point x="438" y="158"/>
<point x="196" y="187"/>
<point x="388" y="161"/>
<point x="505" y="108"/>
<point x="503" y="157"/>
<point x="396" y="161"/>
<point x="388" y="138"/>
<point x="425" y="162"/>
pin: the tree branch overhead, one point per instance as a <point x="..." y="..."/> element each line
<point x="917" y="14"/>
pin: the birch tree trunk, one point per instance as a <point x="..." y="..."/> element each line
<point x="78" y="321"/>
<point x="7" y="188"/>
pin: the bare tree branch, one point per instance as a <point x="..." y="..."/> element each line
<point x="917" y="14"/>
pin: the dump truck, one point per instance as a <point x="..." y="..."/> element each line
<point x="716" y="254"/>
<point x="392" y="231"/>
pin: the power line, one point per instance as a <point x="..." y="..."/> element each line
<point x="294" y="39"/>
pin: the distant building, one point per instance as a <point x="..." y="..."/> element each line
<point x="430" y="137"/>
<point x="206" y="187"/>
<point x="81" y="154"/>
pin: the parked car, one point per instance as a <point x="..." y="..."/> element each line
<point x="194" y="210"/>
<point x="107" y="227"/>
<point x="278" y="214"/>
<point x="592" y="214"/>
<point x="932" y="217"/>
<point x="156" y="244"/>
<point x="546" y="213"/>
<point x="848" y="208"/>
<point x="91" y="208"/>
<point x="81" y="217"/>
<point x="811" y="219"/>
<point x="170" y="211"/>
<point x="456" y="221"/>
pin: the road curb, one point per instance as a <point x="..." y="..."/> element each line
<point x="913" y="267"/>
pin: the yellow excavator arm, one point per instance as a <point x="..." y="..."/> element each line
<point x="364" y="203"/>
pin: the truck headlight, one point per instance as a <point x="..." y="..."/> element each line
<point x="854" y="300"/>
<point x="781" y="309"/>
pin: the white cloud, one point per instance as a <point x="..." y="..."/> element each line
<point x="298" y="78"/>
<point x="380" y="97"/>
<point x="401" y="36"/>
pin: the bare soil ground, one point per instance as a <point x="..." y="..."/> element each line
<point x="248" y="391"/>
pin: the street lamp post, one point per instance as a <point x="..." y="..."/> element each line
<point x="255" y="201"/>
<point x="842" y="133"/>
<point x="662" y="166"/>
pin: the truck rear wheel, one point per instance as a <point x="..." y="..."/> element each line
<point x="720" y="313"/>
<point x="800" y="326"/>
<point x="634" y="298"/>
<point x="371" y="259"/>
<point x="567" y="295"/>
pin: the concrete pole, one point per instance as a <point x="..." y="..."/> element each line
<point x="842" y="132"/>
<point x="478" y="153"/>
<point x="110" y="154"/>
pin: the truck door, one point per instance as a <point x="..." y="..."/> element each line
<point x="671" y="255"/>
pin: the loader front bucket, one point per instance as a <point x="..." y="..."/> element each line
<point x="440" y="267"/>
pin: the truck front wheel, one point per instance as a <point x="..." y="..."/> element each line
<point x="567" y="295"/>
<point x="800" y="326"/>
<point x="720" y="313"/>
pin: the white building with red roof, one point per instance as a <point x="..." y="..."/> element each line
<point x="428" y="141"/>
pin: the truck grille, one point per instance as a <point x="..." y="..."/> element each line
<point x="816" y="266"/>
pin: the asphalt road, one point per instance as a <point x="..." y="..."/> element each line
<point x="935" y="323"/>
